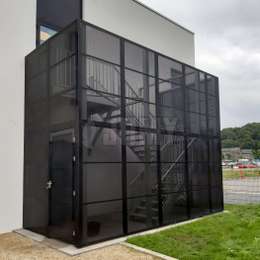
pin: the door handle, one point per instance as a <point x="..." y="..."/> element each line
<point x="49" y="185"/>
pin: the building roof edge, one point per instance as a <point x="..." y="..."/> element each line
<point x="163" y="16"/>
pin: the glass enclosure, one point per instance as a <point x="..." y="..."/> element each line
<point x="118" y="138"/>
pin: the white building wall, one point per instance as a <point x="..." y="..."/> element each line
<point x="17" y="38"/>
<point x="139" y="24"/>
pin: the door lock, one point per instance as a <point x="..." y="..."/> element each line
<point x="49" y="185"/>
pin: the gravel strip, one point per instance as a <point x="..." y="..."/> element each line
<point x="16" y="247"/>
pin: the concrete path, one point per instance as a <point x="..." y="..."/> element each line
<point x="242" y="191"/>
<point x="16" y="247"/>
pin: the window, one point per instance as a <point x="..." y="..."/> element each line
<point x="46" y="33"/>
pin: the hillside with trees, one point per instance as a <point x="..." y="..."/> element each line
<point x="246" y="137"/>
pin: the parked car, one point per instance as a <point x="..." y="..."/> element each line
<point x="241" y="166"/>
<point x="247" y="166"/>
<point x="251" y="166"/>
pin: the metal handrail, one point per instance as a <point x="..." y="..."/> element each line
<point x="178" y="158"/>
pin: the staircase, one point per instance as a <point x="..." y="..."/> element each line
<point x="169" y="179"/>
<point x="105" y="78"/>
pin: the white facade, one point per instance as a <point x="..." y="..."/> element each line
<point x="134" y="22"/>
<point x="18" y="36"/>
<point x="17" y="32"/>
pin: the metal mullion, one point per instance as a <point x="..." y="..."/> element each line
<point x="123" y="137"/>
<point x="158" y="118"/>
<point x="219" y="143"/>
<point x="81" y="236"/>
<point x="187" y="181"/>
<point x="208" y="147"/>
<point x="50" y="147"/>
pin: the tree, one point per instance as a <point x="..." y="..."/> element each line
<point x="244" y="137"/>
<point x="256" y="150"/>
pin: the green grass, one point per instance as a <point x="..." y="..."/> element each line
<point x="233" y="235"/>
<point x="236" y="174"/>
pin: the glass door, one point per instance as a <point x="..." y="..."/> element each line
<point x="61" y="186"/>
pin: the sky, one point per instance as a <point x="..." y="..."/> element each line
<point x="227" y="43"/>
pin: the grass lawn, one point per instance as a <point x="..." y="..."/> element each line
<point x="233" y="235"/>
<point x="236" y="173"/>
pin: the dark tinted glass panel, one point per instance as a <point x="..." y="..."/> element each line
<point x="173" y="177"/>
<point x="139" y="59"/>
<point x="142" y="179"/>
<point x="212" y="106"/>
<point x="172" y="148"/>
<point x="61" y="222"/>
<point x="63" y="110"/>
<point x="171" y="94"/>
<point x="200" y="203"/>
<point x="170" y="70"/>
<point x="36" y="159"/>
<point x="212" y="85"/>
<point x="102" y="45"/>
<point x="195" y="101"/>
<point x="37" y="62"/>
<point x="140" y="114"/>
<point x="171" y="119"/>
<point x="37" y="88"/>
<point x="101" y="144"/>
<point x="198" y="175"/>
<point x="202" y="82"/>
<point x="36" y="115"/>
<point x="142" y="213"/>
<point x="100" y="107"/>
<point x="63" y="76"/>
<point x="197" y="150"/>
<point x="35" y="139"/>
<point x="36" y="207"/>
<point x="216" y="175"/>
<point x="196" y="123"/>
<point x="174" y="208"/>
<point x="102" y="182"/>
<point x="141" y="146"/>
<point x="217" y="199"/>
<point x="214" y="128"/>
<point x="140" y="86"/>
<point x="214" y="152"/>
<point x="63" y="45"/>
<point x="104" y="221"/>
<point x="193" y="79"/>
<point x="102" y="76"/>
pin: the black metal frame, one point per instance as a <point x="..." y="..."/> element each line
<point x="81" y="211"/>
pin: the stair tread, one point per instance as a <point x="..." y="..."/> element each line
<point x="144" y="208"/>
